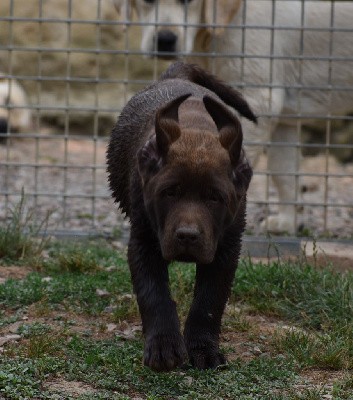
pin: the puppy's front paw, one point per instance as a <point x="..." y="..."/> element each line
<point x="203" y="358"/>
<point x="164" y="352"/>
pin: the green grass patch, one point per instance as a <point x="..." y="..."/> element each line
<point x="113" y="365"/>
<point x="76" y="292"/>
<point x="316" y="298"/>
<point x="91" y="280"/>
<point x="78" y="257"/>
<point x="331" y="350"/>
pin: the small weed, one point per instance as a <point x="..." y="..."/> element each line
<point x="72" y="259"/>
<point x="42" y="308"/>
<point x="309" y="394"/>
<point x="78" y="257"/>
<point x="344" y="389"/>
<point x="41" y="345"/>
<point x="332" y="350"/>
<point x="182" y="278"/>
<point x="20" y="237"/>
<point x="35" y="329"/>
<point x="126" y="308"/>
<point x="116" y="233"/>
<point x="84" y="216"/>
<point x="235" y="320"/>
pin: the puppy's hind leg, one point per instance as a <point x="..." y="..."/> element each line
<point x="283" y="164"/>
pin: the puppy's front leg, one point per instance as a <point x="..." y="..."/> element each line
<point x="203" y="325"/>
<point x="164" y="345"/>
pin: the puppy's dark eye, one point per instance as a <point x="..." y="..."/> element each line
<point x="214" y="196"/>
<point x="185" y="1"/>
<point x="171" y="192"/>
<point x="149" y="1"/>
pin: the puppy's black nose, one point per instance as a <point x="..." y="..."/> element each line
<point x="187" y="235"/>
<point x="166" y="41"/>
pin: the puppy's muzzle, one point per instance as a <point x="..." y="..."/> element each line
<point x="189" y="245"/>
<point x="166" y="42"/>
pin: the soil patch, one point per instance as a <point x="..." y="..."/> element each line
<point x="13" y="272"/>
<point x="71" y="388"/>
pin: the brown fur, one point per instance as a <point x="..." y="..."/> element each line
<point x="177" y="168"/>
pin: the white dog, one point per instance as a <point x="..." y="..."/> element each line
<point x="14" y="117"/>
<point x="292" y="58"/>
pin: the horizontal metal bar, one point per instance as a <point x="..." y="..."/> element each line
<point x="102" y="110"/>
<point x="12" y="164"/>
<point x="100" y="80"/>
<point x="322" y="146"/>
<point x="54" y="166"/>
<point x="299" y="203"/>
<point x="67" y="195"/>
<point x="104" y="139"/>
<point x="241" y="85"/>
<point x="60" y="195"/>
<point x="152" y="53"/>
<point x="302" y="174"/>
<point x="57" y="136"/>
<point x="186" y="24"/>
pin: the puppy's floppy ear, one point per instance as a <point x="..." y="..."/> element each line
<point x="124" y="8"/>
<point x="231" y="138"/>
<point x="167" y="124"/>
<point x="228" y="125"/>
<point x="220" y="12"/>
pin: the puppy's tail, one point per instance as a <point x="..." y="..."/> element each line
<point x="195" y="74"/>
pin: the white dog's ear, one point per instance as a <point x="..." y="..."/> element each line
<point x="220" y="12"/>
<point x="124" y="8"/>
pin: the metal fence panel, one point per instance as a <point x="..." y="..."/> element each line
<point x="68" y="67"/>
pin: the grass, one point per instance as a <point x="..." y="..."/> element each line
<point x="19" y="236"/>
<point x="284" y="320"/>
<point x="298" y="292"/>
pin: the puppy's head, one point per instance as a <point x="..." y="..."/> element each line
<point x="170" y="27"/>
<point x="194" y="177"/>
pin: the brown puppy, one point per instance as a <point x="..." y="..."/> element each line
<point x="177" y="169"/>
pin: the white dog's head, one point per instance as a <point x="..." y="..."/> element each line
<point x="170" y="27"/>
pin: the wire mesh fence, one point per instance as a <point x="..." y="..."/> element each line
<point x="68" y="67"/>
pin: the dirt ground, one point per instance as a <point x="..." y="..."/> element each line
<point x="68" y="178"/>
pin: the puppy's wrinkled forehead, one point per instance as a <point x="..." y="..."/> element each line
<point x="199" y="152"/>
<point x="192" y="113"/>
<point x="198" y="146"/>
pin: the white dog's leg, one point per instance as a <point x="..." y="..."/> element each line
<point x="282" y="162"/>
